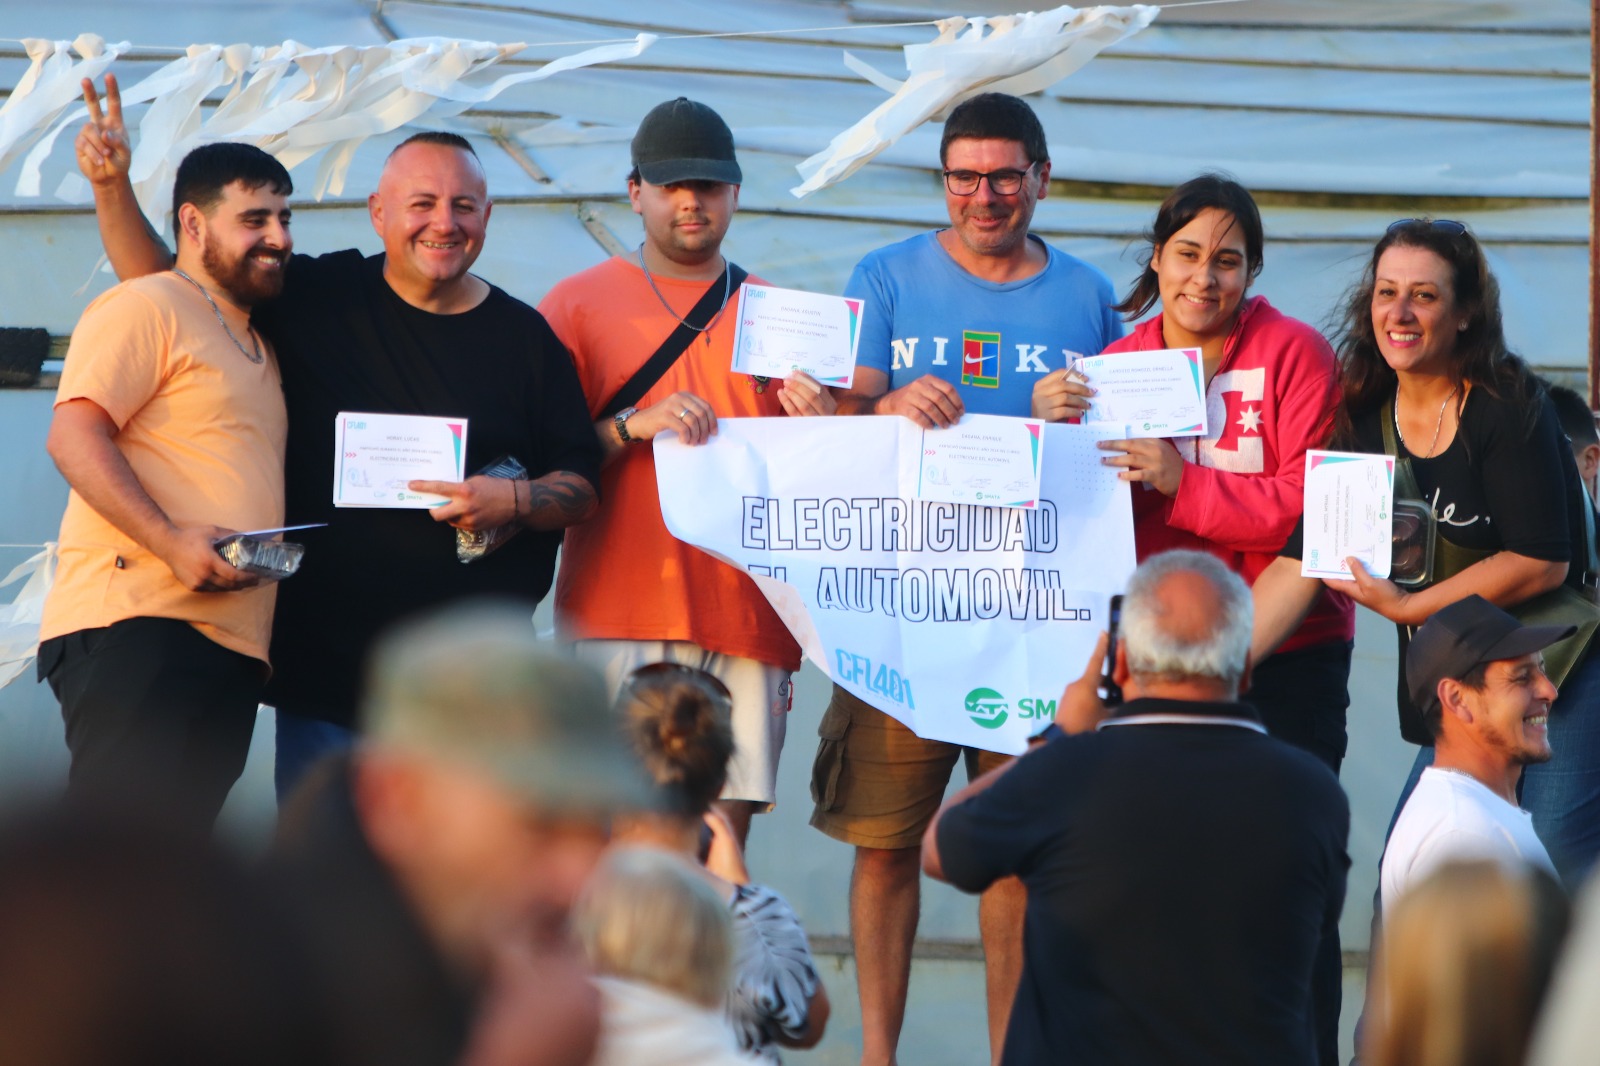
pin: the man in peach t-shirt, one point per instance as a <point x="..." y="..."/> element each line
<point x="169" y="428"/>
<point x="629" y="593"/>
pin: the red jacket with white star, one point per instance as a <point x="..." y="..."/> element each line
<point x="1272" y="398"/>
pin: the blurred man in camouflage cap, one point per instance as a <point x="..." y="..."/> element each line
<point x="433" y="867"/>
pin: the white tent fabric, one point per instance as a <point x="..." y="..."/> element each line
<point x="288" y="99"/>
<point x="1016" y="54"/>
<point x="49" y="88"/>
<point x="1341" y="115"/>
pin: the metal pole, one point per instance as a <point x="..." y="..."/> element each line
<point x="1594" y="215"/>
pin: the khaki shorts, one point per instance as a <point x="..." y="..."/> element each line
<point x="876" y="784"/>
<point x="762" y="694"/>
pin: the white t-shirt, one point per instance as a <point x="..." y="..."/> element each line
<point x="1455" y="816"/>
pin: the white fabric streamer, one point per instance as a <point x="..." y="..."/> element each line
<point x="1018" y="54"/>
<point x="48" y="88"/>
<point x="296" y="102"/>
<point x="19" y="619"/>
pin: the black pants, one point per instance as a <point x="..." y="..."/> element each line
<point x="1302" y="697"/>
<point x="156" y="714"/>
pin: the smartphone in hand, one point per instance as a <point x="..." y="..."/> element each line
<point x="1110" y="691"/>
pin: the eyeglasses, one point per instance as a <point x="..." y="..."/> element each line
<point x="1446" y="225"/>
<point x="1001" y="182"/>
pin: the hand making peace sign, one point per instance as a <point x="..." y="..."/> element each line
<point x="102" y="144"/>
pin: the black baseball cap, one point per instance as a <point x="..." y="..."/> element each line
<point x="682" y="140"/>
<point x="1463" y="635"/>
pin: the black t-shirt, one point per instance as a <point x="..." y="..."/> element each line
<point x="347" y="342"/>
<point x="1497" y="487"/>
<point x="1179" y="878"/>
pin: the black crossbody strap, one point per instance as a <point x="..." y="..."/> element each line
<point x="677" y="342"/>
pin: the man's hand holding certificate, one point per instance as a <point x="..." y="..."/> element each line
<point x="780" y="331"/>
<point x="983" y="459"/>
<point x="377" y="456"/>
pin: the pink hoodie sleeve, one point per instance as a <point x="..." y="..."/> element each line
<point x="1257" y="512"/>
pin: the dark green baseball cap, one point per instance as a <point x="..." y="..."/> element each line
<point x="472" y="684"/>
<point x="682" y="140"/>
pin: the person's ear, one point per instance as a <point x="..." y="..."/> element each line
<point x="192" y="223"/>
<point x="1589" y="462"/>
<point x="1119" y="668"/>
<point x="1453" y="701"/>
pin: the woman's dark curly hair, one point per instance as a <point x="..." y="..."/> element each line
<point x="1480" y="357"/>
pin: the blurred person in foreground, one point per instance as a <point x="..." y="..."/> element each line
<point x="1181" y="865"/>
<point x="1568" y="1029"/>
<point x="1428" y="378"/>
<point x="661" y="940"/>
<point x="126" y="943"/>
<point x="1463" y="967"/>
<point x="433" y="866"/>
<point x="677" y="719"/>
<point x="1478" y="678"/>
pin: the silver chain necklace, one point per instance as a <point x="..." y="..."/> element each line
<point x="254" y="357"/>
<point x="1437" y="426"/>
<point x="705" y="330"/>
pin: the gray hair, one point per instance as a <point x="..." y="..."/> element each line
<point x="1154" y="651"/>
<point x="647" y="915"/>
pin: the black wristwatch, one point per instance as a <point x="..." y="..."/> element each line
<point x="620" y="420"/>
<point x="1045" y="736"/>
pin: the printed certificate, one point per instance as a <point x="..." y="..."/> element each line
<point x="780" y="331"/>
<point x="983" y="459"/>
<point x="1155" y="394"/>
<point x="1349" y="512"/>
<point x="376" y="455"/>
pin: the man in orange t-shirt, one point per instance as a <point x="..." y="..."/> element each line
<point x="169" y="427"/>
<point x="628" y="592"/>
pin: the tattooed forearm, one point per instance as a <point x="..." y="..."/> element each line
<point x="557" y="500"/>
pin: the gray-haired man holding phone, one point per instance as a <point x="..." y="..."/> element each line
<point x="1151" y="836"/>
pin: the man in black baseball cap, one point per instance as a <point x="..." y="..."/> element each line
<point x="684" y="140"/>
<point x="1478" y="678"/>
<point x="651" y="334"/>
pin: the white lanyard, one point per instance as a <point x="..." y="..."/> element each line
<point x="1184" y="719"/>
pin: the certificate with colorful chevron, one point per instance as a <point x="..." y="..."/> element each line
<point x="780" y="331"/>
<point x="1154" y="394"/>
<point x="376" y="456"/>
<point x="1349" y="514"/>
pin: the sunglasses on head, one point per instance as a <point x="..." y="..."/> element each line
<point x="1447" y="225"/>
<point x="662" y="672"/>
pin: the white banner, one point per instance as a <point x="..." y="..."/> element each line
<point x="964" y="622"/>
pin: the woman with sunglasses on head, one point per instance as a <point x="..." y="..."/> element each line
<point x="1429" y="379"/>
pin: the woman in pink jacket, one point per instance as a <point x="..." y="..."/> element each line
<point x="1271" y="391"/>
